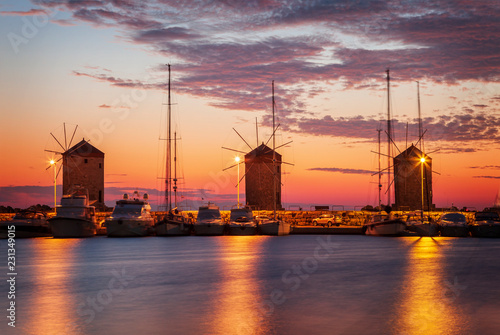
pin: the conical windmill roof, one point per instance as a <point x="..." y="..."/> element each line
<point x="262" y="150"/>
<point x="412" y="151"/>
<point x="84" y="148"/>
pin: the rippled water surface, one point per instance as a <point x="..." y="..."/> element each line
<point x="255" y="285"/>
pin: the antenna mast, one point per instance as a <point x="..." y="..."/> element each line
<point x="389" y="134"/>
<point x="379" y="174"/>
<point x="168" y="171"/>
<point x="420" y="134"/>
<point x="257" y="131"/>
<point x="175" y="169"/>
<point x="274" y="159"/>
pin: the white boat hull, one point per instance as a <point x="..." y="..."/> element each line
<point x="275" y="228"/>
<point x="385" y="228"/>
<point x="72" y="227"/>
<point x="129" y="228"/>
<point x="208" y="229"/>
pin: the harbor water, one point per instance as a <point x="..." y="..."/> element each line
<point x="301" y="284"/>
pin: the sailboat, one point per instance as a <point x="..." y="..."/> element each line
<point x="274" y="226"/>
<point x="381" y="224"/>
<point x="173" y="223"/>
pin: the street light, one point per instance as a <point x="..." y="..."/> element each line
<point x="237" y="160"/>
<point x="53" y="163"/>
<point x="422" y="162"/>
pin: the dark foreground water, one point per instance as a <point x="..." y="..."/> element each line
<point x="254" y="285"/>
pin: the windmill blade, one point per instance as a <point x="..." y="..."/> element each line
<point x="59" y="170"/>
<point x="389" y="187"/>
<point x="433" y="151"/>
<point x="243" y="139"/>
<point x="232" y="166"/>
<point x="65" y="138"/>
<point x="273" y="133"/>
<point x="241" y="152"/>
<point x="72" y="136"/>
<point x="279" y="146"/>
<point x="248" y="170"/>
<point x="239" y="181"/>
<point x="406" y="143"/>
<point x="383" y="170"/>
<point x="55" y="152"/>
<point x="392" y="141"/>
<point x="421" y="138"/>
<point x="58" y="142"/>
<point x="381" y="154"/>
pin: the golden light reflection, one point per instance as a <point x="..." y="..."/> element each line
<point x="427" y="305"/>
<point x="235" y="307"/>
<point x="51" y="306"/>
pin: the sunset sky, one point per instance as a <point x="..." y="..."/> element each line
<point x="101" y="65"/>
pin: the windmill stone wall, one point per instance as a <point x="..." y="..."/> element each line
<point x="259" y="178"/>
<point x="408" y="180"/>
<point x="83" y="165"/>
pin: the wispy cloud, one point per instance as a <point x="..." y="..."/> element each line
<point x="342" y="170"/>
<point x="455" y="128"/>
<point x="486" y="167"/>
<point x="487" y="177"/>
<point x="31" y="12"/>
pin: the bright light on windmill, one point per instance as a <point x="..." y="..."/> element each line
<point x="237" y="159"/>
<point x="422" y="159"/>
<point x="52" y="162"/>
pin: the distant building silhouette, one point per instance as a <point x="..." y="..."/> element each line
<point x="259" y="178"/>
<point x="83" y="164"/>
<point x="408" y="180"/>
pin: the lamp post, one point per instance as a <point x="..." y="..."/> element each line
<point x="237" y="160"/>
<point x="422" y="162"/>
<point x="53" y="163"/>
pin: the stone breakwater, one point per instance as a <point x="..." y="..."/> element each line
<point x="296" y="218"/>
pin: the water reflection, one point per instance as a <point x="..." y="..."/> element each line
<point x="235" y="307"/>
<point x="429" y="304"/>
<point x="49" y="307"/>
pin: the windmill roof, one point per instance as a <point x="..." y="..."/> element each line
<point x="263" y="150"/>
<point x="84" y="148"/>
<point x="412" y="151"/>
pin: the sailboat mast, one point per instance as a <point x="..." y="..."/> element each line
<point x="274" y="158"/>
<point x="389" y="134"/>
<point x="175" y="169"/>
<point x="379" y="174"/>
<point x="257" y="131"/>
<point x="168" y="171"/>
<point x="420" y="134"/>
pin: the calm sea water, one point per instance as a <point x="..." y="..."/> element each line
<point x="255" y="285"/>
